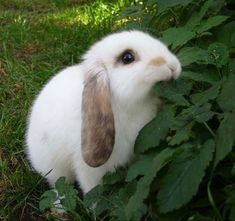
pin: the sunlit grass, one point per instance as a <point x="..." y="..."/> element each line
<point x="86" y="14"/>
<point x="38" y="38"/>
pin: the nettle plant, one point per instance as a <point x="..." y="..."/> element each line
<point x="185" y="163"/>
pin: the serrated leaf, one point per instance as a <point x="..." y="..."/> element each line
<point x="101" y="198"/>
<point x="182" y="134"/>
<point x="205" y="96"/>
<point x="67" y="194"/>
<point x="112" y="178"/>
<point x="69" y="202"/>
<point x="139" y="167"/>
<point x="225" y="137"/>
<point x="218" y="55"/>
<point x="174" y="91"/>
<point x="200" y="76"/>
<point x="231" y="67"/>
<point x="157" y="129"/>
<point x="226" y="98"/>
<point x="177" y="36"/>
<point x="106" y="202"/>
<point x="211" y="22"/>
<point x="143" y="186"/>
<point x="48" y="199"/>
<point x="124" y="195"/>
<point x="60" y="186"/>
<point x="91" y="197"/>
<point x="203" y="113"/>
<point x="184" y="177"/>
<point x="196" y="17"/>
<point x="226" y="34"/>
<point x="194" y="112"/>
<point x="164" y="4"/>
<point x="189" y="55"/>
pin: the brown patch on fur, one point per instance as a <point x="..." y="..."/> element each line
<point x="98" y="132"/>
<point x="158" y="61"/>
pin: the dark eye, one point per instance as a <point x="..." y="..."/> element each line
<point x="128" y="57"/>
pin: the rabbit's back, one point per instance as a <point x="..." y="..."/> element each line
<point x="55" y="123"/>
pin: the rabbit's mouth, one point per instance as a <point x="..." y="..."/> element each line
<point x="157" y="76"/>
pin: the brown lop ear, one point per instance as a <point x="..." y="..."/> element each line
<point x="98" y="132"/>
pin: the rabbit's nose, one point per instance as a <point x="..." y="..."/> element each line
<point x="175" y="67"/>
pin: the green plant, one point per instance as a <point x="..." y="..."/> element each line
<point x="65" y="198"/>
<point x="185" y="162"/>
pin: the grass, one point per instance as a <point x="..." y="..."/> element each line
<point x="37" y="38"/>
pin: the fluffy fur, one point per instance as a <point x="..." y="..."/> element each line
<point x="60" y="124"/>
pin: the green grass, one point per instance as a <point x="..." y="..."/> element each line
<point x="37" y="38"/>
<point x="40" y="37"/>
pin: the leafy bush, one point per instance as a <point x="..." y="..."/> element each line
<point x="185" y="163"/>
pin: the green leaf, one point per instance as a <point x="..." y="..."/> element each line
<point x="139" y="167"/>
<point x="233" y="170"/>
<point x="225" y="137"/>
<point x="177" y="36"/>
<point x="204" y="114"/>
<point x="174" y="91"/>
<point x="200" y="76"/>
<point x="198" y="217"/>
<point x="231" y="67"/>
<point x="184" y="176"/>
<point x="135" y="203"/>
<point x="230" y="192"/>
<point x="157" y="129"/>
<point x="93" y="196"/>
<point x="226" y="98"/>
<point x="194" y="112"/>
<point x="48" y="199"/>
<point x="232" y="213"/>
<point x="189" y="55"/>
<point x="70" y="200"/>
<point x="210" y="23"/>
<point x="67" y="194"/>
<point x="205" y="8"/>
<point x="182" y="134"/>
<point x="164" y="4"/>
<point x="60" y="186"/>
<point x="218" y="55"/>
<point x="205" y="96"/>
<point x="226" y="34"/>
<point x="196" y="17"/>
<point x="118" y="211"/>
<point x="112" y="178"/>
<point x="176" y="216"/>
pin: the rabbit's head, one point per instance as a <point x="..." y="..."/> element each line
<point x="122" y="67"/>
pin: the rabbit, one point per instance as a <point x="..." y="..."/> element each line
<point x="85" y="121"/>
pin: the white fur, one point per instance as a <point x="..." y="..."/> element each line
<point x="54" y="130"/>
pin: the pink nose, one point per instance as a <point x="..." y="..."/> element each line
<point x="175" y="67"/>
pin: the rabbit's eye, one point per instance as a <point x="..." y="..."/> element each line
<point x="127" y="57"/>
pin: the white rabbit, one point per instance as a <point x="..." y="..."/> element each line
<point x="85" y="120"/>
